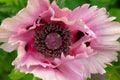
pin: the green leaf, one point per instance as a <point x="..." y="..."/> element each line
<point x="114" y="70"/>
<point x="61" y="3"/>
<point x="113" y="73"/>
<point x="8" y="2"/>
<point x="103" y="3"/>
<point x="5" y="64"/>
<point x="118" y="39"/>
<point x="30" y="77"/>
<point x="51" y="1"/>
<point x="71" y="4"/>
<point x="15" y="75"/>
<point x="9" y="8"/>
<point x="115" y="12"/>
<point x="12" y="2"/>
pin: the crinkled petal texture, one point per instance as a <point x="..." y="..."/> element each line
<point x="88" y="54"/>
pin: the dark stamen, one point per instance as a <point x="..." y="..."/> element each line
<point x="52" y="40"/>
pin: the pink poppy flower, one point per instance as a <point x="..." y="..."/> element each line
<point x="61" y="44"/>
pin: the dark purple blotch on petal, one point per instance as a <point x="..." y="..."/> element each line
<point x="27" y="28"/>
<point x="87" y="44"/>
<point x="26" y="47"/>
<point x="79" y="35"/>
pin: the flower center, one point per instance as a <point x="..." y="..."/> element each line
<point x="52" y="40"/>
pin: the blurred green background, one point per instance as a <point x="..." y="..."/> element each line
<point x="9" y="8"/>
